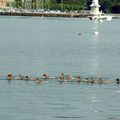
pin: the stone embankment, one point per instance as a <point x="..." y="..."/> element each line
<point x="77" y="15"/>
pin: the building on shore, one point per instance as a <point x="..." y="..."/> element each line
<point x="4" y="3"/>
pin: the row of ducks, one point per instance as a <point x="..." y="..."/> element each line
<point x="62" y="78"/>
<point x="68" y="78"/>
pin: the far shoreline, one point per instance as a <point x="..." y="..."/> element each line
<point x="40" y="14"/>
<point x="76" y="15"/>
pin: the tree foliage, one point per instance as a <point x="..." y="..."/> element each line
<point x="106" y="5"/>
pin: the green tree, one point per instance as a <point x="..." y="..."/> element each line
<point x="18" y="3"/>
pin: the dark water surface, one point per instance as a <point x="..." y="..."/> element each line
<point x="34" y="45"/>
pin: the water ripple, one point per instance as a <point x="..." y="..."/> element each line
<point x="69" y="117"/>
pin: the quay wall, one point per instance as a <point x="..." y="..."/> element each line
<point x="79" y="15"/>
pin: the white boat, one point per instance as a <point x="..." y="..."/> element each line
<point x="101" y="17"/>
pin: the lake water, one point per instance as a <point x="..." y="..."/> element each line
<point x="34" y="45"/>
